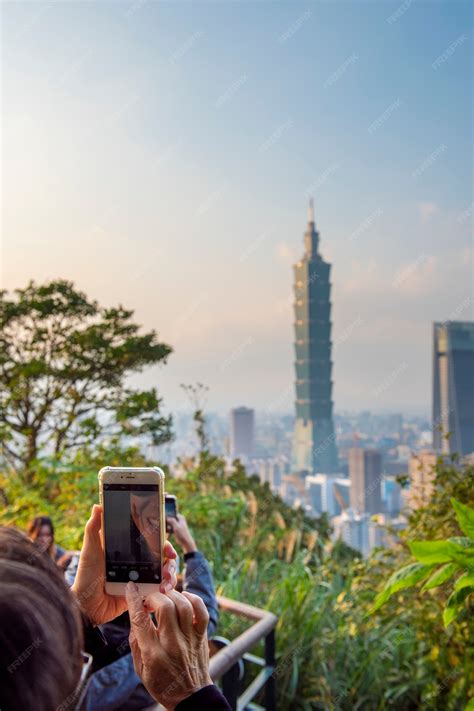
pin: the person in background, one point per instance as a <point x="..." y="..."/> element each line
<point x="41" y="532"/>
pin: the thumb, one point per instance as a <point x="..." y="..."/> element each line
<point x="92" y="543"/>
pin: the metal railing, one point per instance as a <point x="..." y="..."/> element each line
<point x="224" y="665"/>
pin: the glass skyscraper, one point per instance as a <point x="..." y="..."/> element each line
<point x="453" y="387"/>
<point x="314" y="445"/>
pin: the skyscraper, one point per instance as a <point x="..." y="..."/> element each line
<point x="242" y="433"/>
<point x="422" y="475"/>
<point x="453" y="387"/>
<point x="314" y="445"/>
<point x="365" y="472"/>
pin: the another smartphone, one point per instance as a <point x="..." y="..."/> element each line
<point x="133" y="525"/>
<point x="171" y="509"/>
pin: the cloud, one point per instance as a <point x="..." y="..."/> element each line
<point x="427" y="209"/>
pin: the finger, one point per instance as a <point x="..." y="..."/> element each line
<point x="135" y="651"/>
<point x="92" y="545"/>
<point x="201" y="615"/>
<point x="169" y="567"/>
<point x="143" y="629"/>
<point x="184" y="609"/>
<point x="169" y="576"/>
<point x="165" y="611"/>
<point x="169" y="551"/>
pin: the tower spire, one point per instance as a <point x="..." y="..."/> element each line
<point x="311" y="211"/>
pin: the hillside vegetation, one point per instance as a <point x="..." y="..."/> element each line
<point x="332" y="654"/>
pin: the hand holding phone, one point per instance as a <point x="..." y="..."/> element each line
<point x="182" y="534"/>
<point x="89" y="583"/>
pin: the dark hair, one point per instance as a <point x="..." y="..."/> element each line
<point x="40" y="629"/>
<point x="34" y="526"/>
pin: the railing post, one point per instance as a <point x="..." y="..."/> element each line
<point x="270" y="686"/>
<point x="230" y="686"/>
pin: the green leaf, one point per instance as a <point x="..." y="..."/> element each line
<point x="470" y="706"/>
<point x="465" y="517"/>
<point x="455" y="605"/>
<point x="465" y="558"/>
<point x="465" y="580"/>
<point x="404" y="578"/>
<point x="432" y="552"/>
<point x="440" y="576"/>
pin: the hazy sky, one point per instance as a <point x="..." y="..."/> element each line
<point x="161" y="155"/>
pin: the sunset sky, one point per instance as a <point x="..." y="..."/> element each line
<point x="162" y="154"/>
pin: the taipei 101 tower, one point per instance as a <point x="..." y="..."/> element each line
<point x="314" y="445"/>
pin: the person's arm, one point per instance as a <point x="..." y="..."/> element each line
<point x="198" y="580"/>
<point x="172" y="658"/>
<point x="197" y="575"/>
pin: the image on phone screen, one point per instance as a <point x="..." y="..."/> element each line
<point x="170" y="508"/>
<point x="132" y="520"/>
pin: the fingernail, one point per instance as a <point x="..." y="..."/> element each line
<point x="167" y="587"/>
<point x="131" y="586"/>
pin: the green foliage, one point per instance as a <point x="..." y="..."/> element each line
<point x="332" y="654"/>
<point x="457" y="553"/>
<point x="465" y="517"/>
<point x="404" y="578"/>
<point x="64" y="362"/>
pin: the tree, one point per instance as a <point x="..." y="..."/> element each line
<point x="64" y="365"/>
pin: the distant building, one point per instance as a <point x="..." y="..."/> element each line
<point x="365" y="473"/>
<point x="395" y="467"/>
<point x="422" y="475"/>
<point x="353" y="529"/>
<point x="384" y="531"/>
<point x="270" y="471"/>
<point x="453" y="387"/>
<point x="242" y="433"/>
<point x="314" y="447"/>
<point x="342" y="489"/>
<point x="391" y="495"/>
<point x="292" y="489"/>
<point x="275" y="473"/>
<point x="327" y="493"/>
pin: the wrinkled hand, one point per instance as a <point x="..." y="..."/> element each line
<point x="89" y="585"/>
<point x="172" y="658"/>
<point x="182" y="534"/>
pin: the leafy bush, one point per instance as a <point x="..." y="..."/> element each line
<point x="439" y="562"/>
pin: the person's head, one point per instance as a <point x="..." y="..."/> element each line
<point x="40" y="629"/>
<point x="41" y="532"/>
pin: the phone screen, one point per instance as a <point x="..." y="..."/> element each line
<point x="132" y="520"/>
<point x="170" y="507"/>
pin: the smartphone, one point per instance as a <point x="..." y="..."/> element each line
<point x="133" y="526"/>
<point x="171" y="509"/>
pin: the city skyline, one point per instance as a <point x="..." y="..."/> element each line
<point x="167" y="165"/>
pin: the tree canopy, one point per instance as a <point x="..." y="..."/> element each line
<point x="65" y="363"/>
